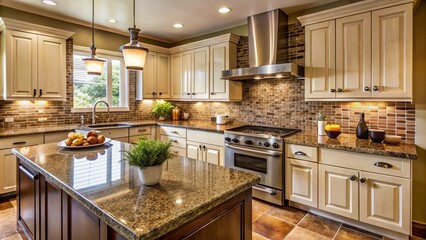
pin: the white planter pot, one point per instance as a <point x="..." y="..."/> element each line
<point x="150" y="176"/>
<point x="321" y="128"/>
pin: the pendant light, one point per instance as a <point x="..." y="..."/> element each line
<point x="133" y="52"/>
<point x="94" y="65"/>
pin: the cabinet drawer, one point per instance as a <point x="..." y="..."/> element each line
<point x="21" y="141"/>
<point x="205" y="137"/>
<point x="135" y="139"/>
<point x="172" y="131"/>
<point x="396" y="166"/>
<point x="179" y="151"/>
<point x="55" y="137"/>
<point x="302" y="152"/>
<point x="114" y="132"/>
<point x="137" y="131"/>
<point x="176" y="141"/>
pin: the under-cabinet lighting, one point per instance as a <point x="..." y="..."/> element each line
<point x="112" y="20"/>
<point x="50" y="2"/>
<point x="178" y="25"/>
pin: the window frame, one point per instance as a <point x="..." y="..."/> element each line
<point x="124" y="81"/>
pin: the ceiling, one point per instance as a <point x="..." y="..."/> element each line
<point x="156" y="17"/>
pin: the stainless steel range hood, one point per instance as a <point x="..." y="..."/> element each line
<point x="268" y="49"/>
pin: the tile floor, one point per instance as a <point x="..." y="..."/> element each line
<point x="269" y="222"/>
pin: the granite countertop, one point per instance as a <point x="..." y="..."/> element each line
<point x="349" y="142"/>
<point x="202" y="125"/>
<point x="110" y="188"/>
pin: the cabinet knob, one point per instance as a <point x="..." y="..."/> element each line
<point x="188" y="94"/>
<point x="199" y="146"/>
<point x="212" y="93"/>
<point x="153" y="93"/>
<point x="34" y="92"/>
<point x="339" y="90"/>
<point x="362" y="180"/>
<point x="41" y="92"/>
<point x="161" y="93"/>
<point x="193" y="93"/>
<point x="375" y="88"/>
<point x="332" y="90"/>
<point x="352" y="178"/>
<point x="366" y="88"/>
<point x="204" y="148"/>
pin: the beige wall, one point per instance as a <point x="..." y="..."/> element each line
<point x="419" y="169"/>
<point x="103" y="39"/>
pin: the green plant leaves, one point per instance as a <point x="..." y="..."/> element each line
<point x="162" y="109"/>
<point x="147" y="153"/>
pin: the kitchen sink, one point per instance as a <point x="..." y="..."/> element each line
<point x="108" y="125"/>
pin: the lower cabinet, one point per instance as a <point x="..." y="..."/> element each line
<point x="205" y="152"/>
<point x="301" y="181"/>
<point x="8" y="170"/>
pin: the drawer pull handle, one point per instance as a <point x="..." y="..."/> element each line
<point x="352" y="178"/>
<point x="174" y="140"/>
<point x="19" y="143"/>
<point x="300" y="153"/>
<point x="383" y="165"/>
<point x="28" y="173"/>
<point x="175" y="132"/>
<point x="362" y="180"/>
<point x="142" y="130"/>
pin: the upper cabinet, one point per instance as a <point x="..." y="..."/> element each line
<point x="155" y="77"/>
<point x="360" y="51"/>
<point x="33" y="62"/>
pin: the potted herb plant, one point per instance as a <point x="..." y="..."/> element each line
<point x="162" y="109"/>
<point x="149" y="156"/>
<point x="321" y="122"/>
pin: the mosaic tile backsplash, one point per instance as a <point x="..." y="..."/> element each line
<point x="274" y="102"/>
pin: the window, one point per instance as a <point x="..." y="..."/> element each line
<point x="111" y="85"/>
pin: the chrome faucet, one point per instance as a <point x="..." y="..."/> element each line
<point x="94" y="109"/>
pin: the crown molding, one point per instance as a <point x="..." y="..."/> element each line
<point x="156" y="48"/>
<point x="350" y="9"/>
<point x="229" y="37"/>
<point x="7" y="23"/>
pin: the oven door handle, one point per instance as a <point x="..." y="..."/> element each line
<point x="267" y="152"/>
<point x="267" y="190"/>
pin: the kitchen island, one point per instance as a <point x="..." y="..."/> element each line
<point x="93" y="194"/>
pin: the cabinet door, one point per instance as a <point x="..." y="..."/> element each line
<point x="219" y="54"/>
<point x="385" y="202"/>
<point x="176" y="76"/>
<point x="7" y="171"/>
<point x="392" y="43"/>
<point x="353" y="56"/>
<point x="338" y="191"/>
<point x="193" y="150"/>
<point x="301" y="182"/>
<point x="28" y="200"/>
<point x="187" y="59"/>
<point x="214" y="154"/>
<point x="163" y="76"/>
<point x="51" y="210"/>
<point x="149" y="77"/>
<point x="82" y="224"/>
<point x="51" y="68"/>
<point x="200" y="80"/>
<point x="21" y="67"/>
<point x="320" y="60"/>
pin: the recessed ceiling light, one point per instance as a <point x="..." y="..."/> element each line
<point x="50" y="2"/>
<point x="224" y="10"/>
<point x="178" y="25"/>
<point x="112" y="20"/>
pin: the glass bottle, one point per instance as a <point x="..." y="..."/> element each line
<point x="362" y="128"/>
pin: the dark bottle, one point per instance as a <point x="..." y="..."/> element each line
<point x="362" y="128"/>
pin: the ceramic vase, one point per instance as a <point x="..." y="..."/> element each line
<point x="150" y="176"/>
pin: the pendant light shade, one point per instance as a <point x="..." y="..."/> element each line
<point x="133" y="52"/>
<point x="94" y="65"/>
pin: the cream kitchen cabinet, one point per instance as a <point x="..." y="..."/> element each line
<point x="135" y="133"/>
<point x="8" y="159"/>
<point x="206" y="146"/>
<point x="392" y="44"/>
<point x="320" y="61"/>
<point x="178" y="87"/>
<point x="223" y="57"/>
<point x="155" y="77"/>
<point x="176" y="135"/>
<point x="365" y="53"/>
<point x="195" y="70"/>
<point x="35" y="61"/>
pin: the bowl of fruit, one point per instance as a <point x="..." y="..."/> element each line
<point x="333" y="130"/>
<point x="79" y="140"/>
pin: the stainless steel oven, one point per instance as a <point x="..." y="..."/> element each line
<point x="259" y="150"/>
